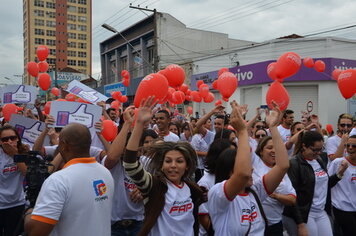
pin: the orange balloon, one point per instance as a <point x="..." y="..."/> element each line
<point x="215" y="84"/>
<point x="210" y="98"/>
<point x="115" y="104"/>
<point x="335" y="74"/>
<point x="123" y="99"/>
<point x="288" y="64"/>
<point x="179" y="97"/>
<point x="109" y="131"/>
<point x="32" y="68"/>
<point x="43" y="66"/>
<point x="329" y="128"/>
<point x="188" y="98"/>
<point x="227" y="84"/>
<point x="222" y="70"/>
<point x="125" y="74"/>
<point x="184" y="88"/>
<point x="152" y="85"/>
<point x="70" y="97"/>
<point x="44" y="81"/>
<point x="319" y="66"/>
<point x="196" y="96"/>
<point x="175" y="75"/>
<point x="42" y="52"/>
<point x="204" y="90"/>
<point x="47" y="108"/>
<point x="61" y="100"/>
<point x="308" y="62"/>
<point x="271" y="71"/>
<point x="126" y="82"/>
<point x="8" y="110"/>
<point x="190" y="110"/>
<point x="347" y="83"/>
<point x="116" y="95"/>
<point x="279" y="94"/>
<point x="199" y="82"/>
<point x="55" y="91"/>
<point x="218" y="102"/>
<point x="225" y="99"/>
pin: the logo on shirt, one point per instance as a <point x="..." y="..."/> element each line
<point x="100" y="190"/>
<point x="10" y="168"/>
<point x="129" y="185"/>
<point x="249" y="215"/>
<point x="353" y="178"/>
<point x="180" y="207"/>
<point x="320" y="172"/>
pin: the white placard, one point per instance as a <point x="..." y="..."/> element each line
<point x="85" y="92"/>
<point x="19" y="94"/>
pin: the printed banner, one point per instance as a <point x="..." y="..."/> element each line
<point x="18" y="94"/>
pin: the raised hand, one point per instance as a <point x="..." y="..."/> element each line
<point x="218" y="109"/>
<point x="236" y="119"/>
<point x="274" y="117"/>
<point x="129" y="114"/>
<point x="145" y="110"/>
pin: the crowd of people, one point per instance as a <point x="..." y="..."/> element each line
<point x="168" y="174"/>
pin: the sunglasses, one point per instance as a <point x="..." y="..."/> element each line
<point x="6" y="139"/>
<point x="260" y="135"/>
<point x="260" y="127"/>
<point x="349" y="145"/>
<point x="345" y="125"/>
<point x="317" y="150"/>
<point x="299" y="129"/>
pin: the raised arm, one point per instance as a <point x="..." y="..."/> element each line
<point x="273" y="178"/>
<point x="243" y="167"/>
<point x="199" y="125"/>
<point x="118" y="145"/>
<point x="37" y="146"/>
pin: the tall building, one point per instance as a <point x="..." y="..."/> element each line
<point x="64" y="26"/>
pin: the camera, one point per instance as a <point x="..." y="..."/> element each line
<point x="37" y="172"/>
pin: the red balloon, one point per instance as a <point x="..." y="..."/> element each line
<point x="123" y="99"/>
<point x="109" y="131"/>
<point x="55" y="91"/>
<point x="44" y="81"/>
<point x="227" y="84"/>
<point x="204" y="90"/>
<point x="8" y="110"/>
<point x="126" y="82"/>
<point x="188" y="98"/>
<point x="199" y="82"/>
<point x="196" y="96"/>
<point x="61" y="100"/>
<point x="172" y="104"/>
<point x="319" y="66"/>
<point x="271" y="71"/>
<point x="115" y="104"/>
<point x="225" y="99"/>
<point x="222" y="70"/>
<point x="116" y="95"/>
<point x="190" y="110"/>
<point x="43" y="66"/>
<point x="288" y="64"/>
<point x="184" y="88"/>
<point x="152" y="85"/>
<point x="125" y="74"/>
<point x="218" y="102"/>
<point x="308" y="62"/>
<point x="215" y="84"/>
<point x="188" y="92"/>
<point x="42" y="52"/>
<point x="329" y="128"/>
<point x="279" y="94"/>
<point x="70" y="97"/>
<point x="336" y="74"/>
<point x="179" y="97"/>
<point x="32" y="68"/>
<point x="47" y="108"/>
<point x="210" y="98"/>
<point x="175" y="75"/>
<point x="347" y="83"/>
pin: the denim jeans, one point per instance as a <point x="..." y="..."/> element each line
<point x="131" y="230"/>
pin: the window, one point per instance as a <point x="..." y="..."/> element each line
<point x="82" y="10"/>
<point x="39" y="3"/>
<point x="82" y="63"/>
<point x="123" y="63"/>
<point x="39" y="41"/>
<point x="39" y="22"/>
<point x="72" y="44"/>
<point x="72" y="62"/>
<point x="51" y="42"/>
<point x="50" y="23"/>
<point x="51" y="5"/>
<point x="72" y="35"/>
<point x="82" y="54"/>
<point x="82" y="45"/>
<point x="38" y="12"/>
<point x="72" y="1"/>
<point x="72" y="9"/>
<point x="82" y="28"/>
<point x="51" y="61"/>
<point x="82" y="19"/>
<point x="84" y="2"/>
<point x="71" y="27"/>
<point x="51" y="14"/>
<point x="52" y="52"/>
<point x="72" y="53"/>
<point x="82" y="36"/>
<point x="72" y="17"/>
<point x="50" y="33"/>
<point x="39" y="32"/>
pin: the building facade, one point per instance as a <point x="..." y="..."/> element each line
<point x="64" y="26"/>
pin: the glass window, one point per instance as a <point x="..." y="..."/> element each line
<point x="72" y="44"/>
<point x="82" y="63"/>
<point x="72" y="53"/>
<point x="50" y="33"/>
<point x="72" y="17"/>
<point x="82" y="45"/>
<point x="82" y="36"/>
<point x="52" y="52"/>
<point x="39" y="12"/>
<point x="39" y="22"/>
<point x="72" y="9"/>
<point x="39" y="32"/>
<point x="82" y="54"/>
<point x="50" y="23"/>
<point x="51" y="14"/>
<point x="39" y="3"/>
<point x="39" y="41"/>
<point x="51" y="61"/>
<point x="123" y="63"/>
<point x="82" y="10"/>
<point x="82" y="19"/>
<point x="84" y="2"/>
<point x="51" y="5"/>
<point x="72" y="1"/>
<point x="72" y="35"/>
<point x="82" y="28"/>
<point x="51" y="42"/>
<point x="71" y="27"/>
<point x="72" y="62"/>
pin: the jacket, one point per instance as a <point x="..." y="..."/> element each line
<point x="302" y="176"/>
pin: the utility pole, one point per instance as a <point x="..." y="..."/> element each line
<point x="155" y="35"/>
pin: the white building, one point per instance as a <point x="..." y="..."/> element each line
<point x="308" y="86"/>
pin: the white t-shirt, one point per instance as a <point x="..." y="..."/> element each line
<point x="171" y="137"/>
<point x="11" y="180"/>
<point x="177" y="216"/>
<point x="332" y="144"/>
<point x="94" y="151"/>
<point x="253" y="144"/>
<point x="183" y="138"/>
<point x="344" y="192"/>
<point x="320" y="188"/>
<point x="272" y="207"/>
<point x="77" y="199"/>
<point x="285" y="133"/>
<point x="353" y="132"/>
<point x="232" y="217"/>
<point x="123" y="207"/>
<point x="207" y="181"/>
<point x="200" y="145"/>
